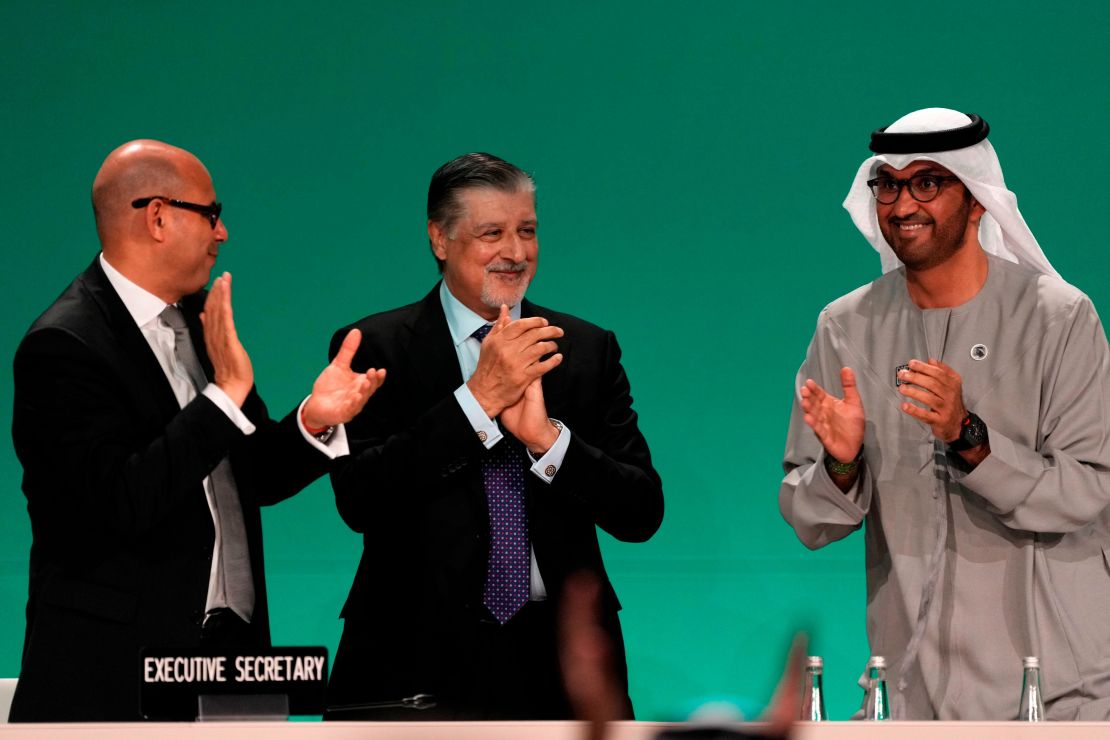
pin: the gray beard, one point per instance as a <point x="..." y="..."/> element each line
<point x="493" y="300"/>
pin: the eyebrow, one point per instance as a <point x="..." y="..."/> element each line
<point x="501" y="224"/>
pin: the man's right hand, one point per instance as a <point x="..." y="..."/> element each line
<point x="837" y="422"/>
<point x="230" y="361"/>
<point x="511" y="358"/>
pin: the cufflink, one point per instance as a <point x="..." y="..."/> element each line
<point x="482" y="436"/>
<point x="550" y="471"/>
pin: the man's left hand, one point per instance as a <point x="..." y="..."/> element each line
<point x="527" y="420"/>
<point x="939" y="389"/>
<point x="339" y="393"/>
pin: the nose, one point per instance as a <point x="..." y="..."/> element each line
<point x="905" y="203"/>
<point x="220" y="231"/>
<point x="513" y="248"/>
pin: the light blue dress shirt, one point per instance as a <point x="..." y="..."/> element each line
<point x="462" y="323"/>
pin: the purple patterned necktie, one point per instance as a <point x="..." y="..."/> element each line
<point x="507" y="575"/>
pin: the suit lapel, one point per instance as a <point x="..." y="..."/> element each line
<point x="135" y="361"/>
<point x="435" y="364"/>
<point x="436" y="375"/>
<point x="554" y="383"/>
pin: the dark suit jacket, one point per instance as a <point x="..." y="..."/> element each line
<point x="122" y="532"/>
<point x="413" y="487"/>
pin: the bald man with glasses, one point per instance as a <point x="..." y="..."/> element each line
<point x="146" y="450"/>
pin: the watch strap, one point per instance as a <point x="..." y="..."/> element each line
<point x="836" y="467"/>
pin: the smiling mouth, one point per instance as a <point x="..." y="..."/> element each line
<point x="911" y="226"/>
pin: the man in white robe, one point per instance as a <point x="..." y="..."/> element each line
<point x="960" y="407"/>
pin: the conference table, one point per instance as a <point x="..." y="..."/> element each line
<point x="540" y="731"/>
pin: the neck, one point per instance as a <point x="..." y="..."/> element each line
<point x="951" y="283"/>
<point x="138" y="273"/>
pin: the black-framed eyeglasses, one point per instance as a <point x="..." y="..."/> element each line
<point x="923" y="188"/>
<point x="210" y="211"/>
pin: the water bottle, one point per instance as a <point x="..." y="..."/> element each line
<point x="1031" y="708"/>
<point x="813" y="698"/>
<point x="876" y="702"/>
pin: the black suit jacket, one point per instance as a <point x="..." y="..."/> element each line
<point x="413" y="487"/>
<point x="122" y="533"/>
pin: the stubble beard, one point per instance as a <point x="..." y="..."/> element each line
<point x="947" y="240"/>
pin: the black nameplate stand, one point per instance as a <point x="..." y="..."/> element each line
<point x="233" y="707"/>
<point x="186" y="684"/>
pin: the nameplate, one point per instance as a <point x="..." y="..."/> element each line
<point x="174" y="678"/>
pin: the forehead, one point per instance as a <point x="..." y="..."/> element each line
<point x="481" y="205"/>
<point x="195" y="178"/>
<point x="916" y="167"/>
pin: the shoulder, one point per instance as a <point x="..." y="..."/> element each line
<point x="567" y="322"/>
<point x="865" y="300"/>
<point x="384" y="321"/>
<point x="583" y="338"/>
<point x="1050" y="294"/>
<point x="389" y="329"/>
<point x="74" y="317"/>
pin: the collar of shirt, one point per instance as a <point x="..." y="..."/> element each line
<point x="461" y="321"/>
<point x="143" y="306"/>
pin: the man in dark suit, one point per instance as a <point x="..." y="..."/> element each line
<point x="146" y="450"/>
<point x="478" y="476"/>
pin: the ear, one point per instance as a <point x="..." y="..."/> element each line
<point x="155" y="216"/>
<point x="976" y="214"/>
<point x="438" y="239"/>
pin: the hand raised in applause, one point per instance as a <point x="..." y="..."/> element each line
<point x="230" y="361"/>
<point x="837" y="422"/>
<point x="339" y="393"/>
<point x="939" y="389"/>
<point x="527" y="420"/>
<point x="512" y="356"/>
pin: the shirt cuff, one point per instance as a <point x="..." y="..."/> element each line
<point x="336" y="446"/>
<point x="548" y="465"/>
<point x="217" y="396"/>
<point x="856" y="501"/>
<point x="486" y="428"/>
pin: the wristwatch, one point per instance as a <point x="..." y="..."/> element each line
<point x="973" y="432"/>
<point x="842" y="468"/>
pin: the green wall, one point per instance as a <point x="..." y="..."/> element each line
<point x="691" y="160"/>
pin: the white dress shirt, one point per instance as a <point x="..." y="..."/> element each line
<point x="146" y="310"/>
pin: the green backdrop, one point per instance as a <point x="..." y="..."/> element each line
<point x="691" y="160"/>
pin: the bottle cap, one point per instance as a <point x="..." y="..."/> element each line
<point x="876" y="661"/>
<point x="815" y="661"/>
<point x="1031" y="662"/>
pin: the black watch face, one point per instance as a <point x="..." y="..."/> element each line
<point x="975" y="433"/>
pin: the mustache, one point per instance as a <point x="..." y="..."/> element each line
<point x="915" y="219"/>
<point x="507" y="267"/>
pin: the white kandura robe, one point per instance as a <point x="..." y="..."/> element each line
<point x="1023" y="540"/>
